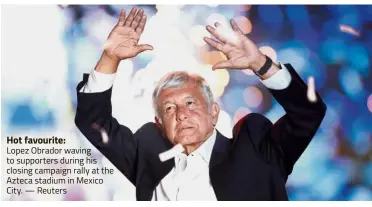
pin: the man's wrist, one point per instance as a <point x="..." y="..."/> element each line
<point x="278" y="80"/>
<point x="273" y="69"/>
<point x="260" y="67"/>
<point x="107" y="65"/>
<point x="257" y="65"/>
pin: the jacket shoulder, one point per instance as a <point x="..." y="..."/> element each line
<point x="151" y="140"/>
<point x="253" y="123"/>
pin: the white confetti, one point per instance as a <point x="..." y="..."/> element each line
<point x="103" y="132"/>
<point x="104" y="136"/>
<point x="311" y="96"/>
<point x="348" y="29"/>
<point x="169" y="154"/>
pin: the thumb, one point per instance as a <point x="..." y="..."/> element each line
<point x="222" y="65"/>
<point x="141" y="48"/>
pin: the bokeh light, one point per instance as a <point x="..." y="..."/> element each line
<point x="98" y="24"/>
<point x="245" y="7"/>
<point x="240" y="113"/>
<point x="224" y="124"/>
<point x="223" y="76"/>
<point x="293" y="56"/>
<point x="369" y="103"/>
<point x="212" y="57"/>
<point x="272" y="17"/>
<point x="269" y="51"/>
<point x="333" y="51"/>
<point x="351" y="83"/>
<point x="358" y="59"/>
<point x="248" y="72"/>
<point x="244" y="24"/>
<point x="197" y="33"/>
<point x="297" y="14"/>
<point x="217" y="17"/>
<point x="253" y="96"/>
<point x="217" y="90"/>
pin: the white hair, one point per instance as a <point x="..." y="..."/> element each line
<point x="178" y="79"/>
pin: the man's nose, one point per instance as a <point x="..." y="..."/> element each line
<point x="181" y="114"/>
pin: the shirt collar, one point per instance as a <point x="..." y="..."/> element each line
<point x="204" y="151"/>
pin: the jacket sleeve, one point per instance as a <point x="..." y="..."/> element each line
<point x="95" y="109"/>
<point x="283" y="142"/>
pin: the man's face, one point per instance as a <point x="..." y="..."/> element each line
<point x="185" y="116"/>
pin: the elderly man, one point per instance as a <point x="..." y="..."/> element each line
<point x="253" y="165"/>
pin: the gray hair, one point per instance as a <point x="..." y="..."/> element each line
<point x="178" y="79"/>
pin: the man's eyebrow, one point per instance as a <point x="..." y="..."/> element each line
<point x="167" y="102"/>
<point x="188" y="97"/>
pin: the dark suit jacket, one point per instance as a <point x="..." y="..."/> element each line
<point x="253" y="165"/>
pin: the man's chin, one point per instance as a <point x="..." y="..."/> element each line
<point x="185" y="140"/>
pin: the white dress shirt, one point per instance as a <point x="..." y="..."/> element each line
<point x="189" y="179"/>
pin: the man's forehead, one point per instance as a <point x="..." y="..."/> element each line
<point x="182" y="92"/>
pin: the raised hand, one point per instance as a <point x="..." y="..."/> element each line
<point x="240" y="51"/>
<point x="122" y="43"/>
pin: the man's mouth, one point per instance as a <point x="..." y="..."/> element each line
<point x="184" y="128"/>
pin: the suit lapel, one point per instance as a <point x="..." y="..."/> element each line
<point x="216" y="167"/>
<point x="220" y="150"/>
<point x="153" y="170"/>
<point x="161" y="169"/>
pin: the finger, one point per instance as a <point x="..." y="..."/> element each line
<point x="222" y="65"/>
<point x="141" y="48"/>
<point x="246" y="41"/>
<point x="141" y="24"/>
<point x="235" y="26"/>
<point x="213" y="43"/>
<point x="215" y="34"/>
<point x="130" y="17"/>
<point x="216" y="24"/>
<point x="137" y="19"/>
<point x="121" y="18"/>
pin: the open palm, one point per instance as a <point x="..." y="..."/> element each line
<point x="122" y="42"/>
<point x="240" y="51"/>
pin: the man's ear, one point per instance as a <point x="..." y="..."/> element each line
<point x="215" y="111"/>
<point x="157" y="122"/>
<point x="160" y="126"/>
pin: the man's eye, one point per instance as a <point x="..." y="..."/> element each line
<point x="169" y="109"/>
<point x="190" y="103"/>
